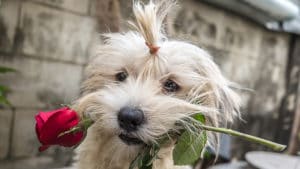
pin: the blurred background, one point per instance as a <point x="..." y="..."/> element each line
<point x="48" y="42"/>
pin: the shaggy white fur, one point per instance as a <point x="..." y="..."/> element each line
<point x="176" y="81"/>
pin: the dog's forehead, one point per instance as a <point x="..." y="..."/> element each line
<point x="179" y="53"/>
<point x="129" y="51"/>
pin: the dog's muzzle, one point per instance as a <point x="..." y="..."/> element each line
<point x="129" y="140"/>
<point x="130" y="119"/>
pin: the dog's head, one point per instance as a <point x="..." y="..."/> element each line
<point x="140" y="83"/>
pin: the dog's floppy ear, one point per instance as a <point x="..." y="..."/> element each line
<point x="219" y="91"/>
<point x="228" y="101"/>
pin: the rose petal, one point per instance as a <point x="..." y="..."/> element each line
<point x="56" y="124"/>
<point x="51" y="124"/>
<point x="39" y="124"/>
<point x="43" y="148"/>
<point x="71" y="139"/>
<point x="46" y="115"/>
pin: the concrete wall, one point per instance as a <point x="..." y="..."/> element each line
<point x="48" y="41"/>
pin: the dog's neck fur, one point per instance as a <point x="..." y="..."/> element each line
<point x="95" y="153"/>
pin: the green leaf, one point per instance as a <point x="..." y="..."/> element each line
<point x="6" y="69"/>
<point x="207" y="155"/>
<point x="189" y="147"/>
<point x="144" y="160"/>
<point x="3" y="90"/>
<point x="187" y="150"/>
<point x="136" y="161"/>
<point x="4" y="101"/>
<point x="199" y="117"/>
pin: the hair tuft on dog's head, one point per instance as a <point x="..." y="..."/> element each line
<point x="149" y="21"/>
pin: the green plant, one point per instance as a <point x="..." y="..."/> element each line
<point x="191" y="141"/>
<point x="5" y="89"/>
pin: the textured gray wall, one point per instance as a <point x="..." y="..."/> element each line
<point x="48" y="42"/>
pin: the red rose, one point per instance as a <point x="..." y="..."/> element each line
<point x="49" y="125"/>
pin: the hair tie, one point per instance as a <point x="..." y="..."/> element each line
<point x="153" y="49"/>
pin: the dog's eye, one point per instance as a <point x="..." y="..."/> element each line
<point x="121" y="76"/>
<point x="171" y="86"/>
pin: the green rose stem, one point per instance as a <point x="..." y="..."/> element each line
<point x="83" y="125"/>
<point x="270" y="144"/>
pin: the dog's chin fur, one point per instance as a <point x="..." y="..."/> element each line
<point x="202" y="88"/>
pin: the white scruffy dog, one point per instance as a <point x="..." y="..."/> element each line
<point x="140" y="84"/>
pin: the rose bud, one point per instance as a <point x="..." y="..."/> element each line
<point x="50" y="125"/>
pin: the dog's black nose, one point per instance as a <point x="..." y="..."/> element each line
<point x="130" y="118"/>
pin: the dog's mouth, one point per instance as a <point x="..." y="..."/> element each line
<point x="130" y="140"/>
